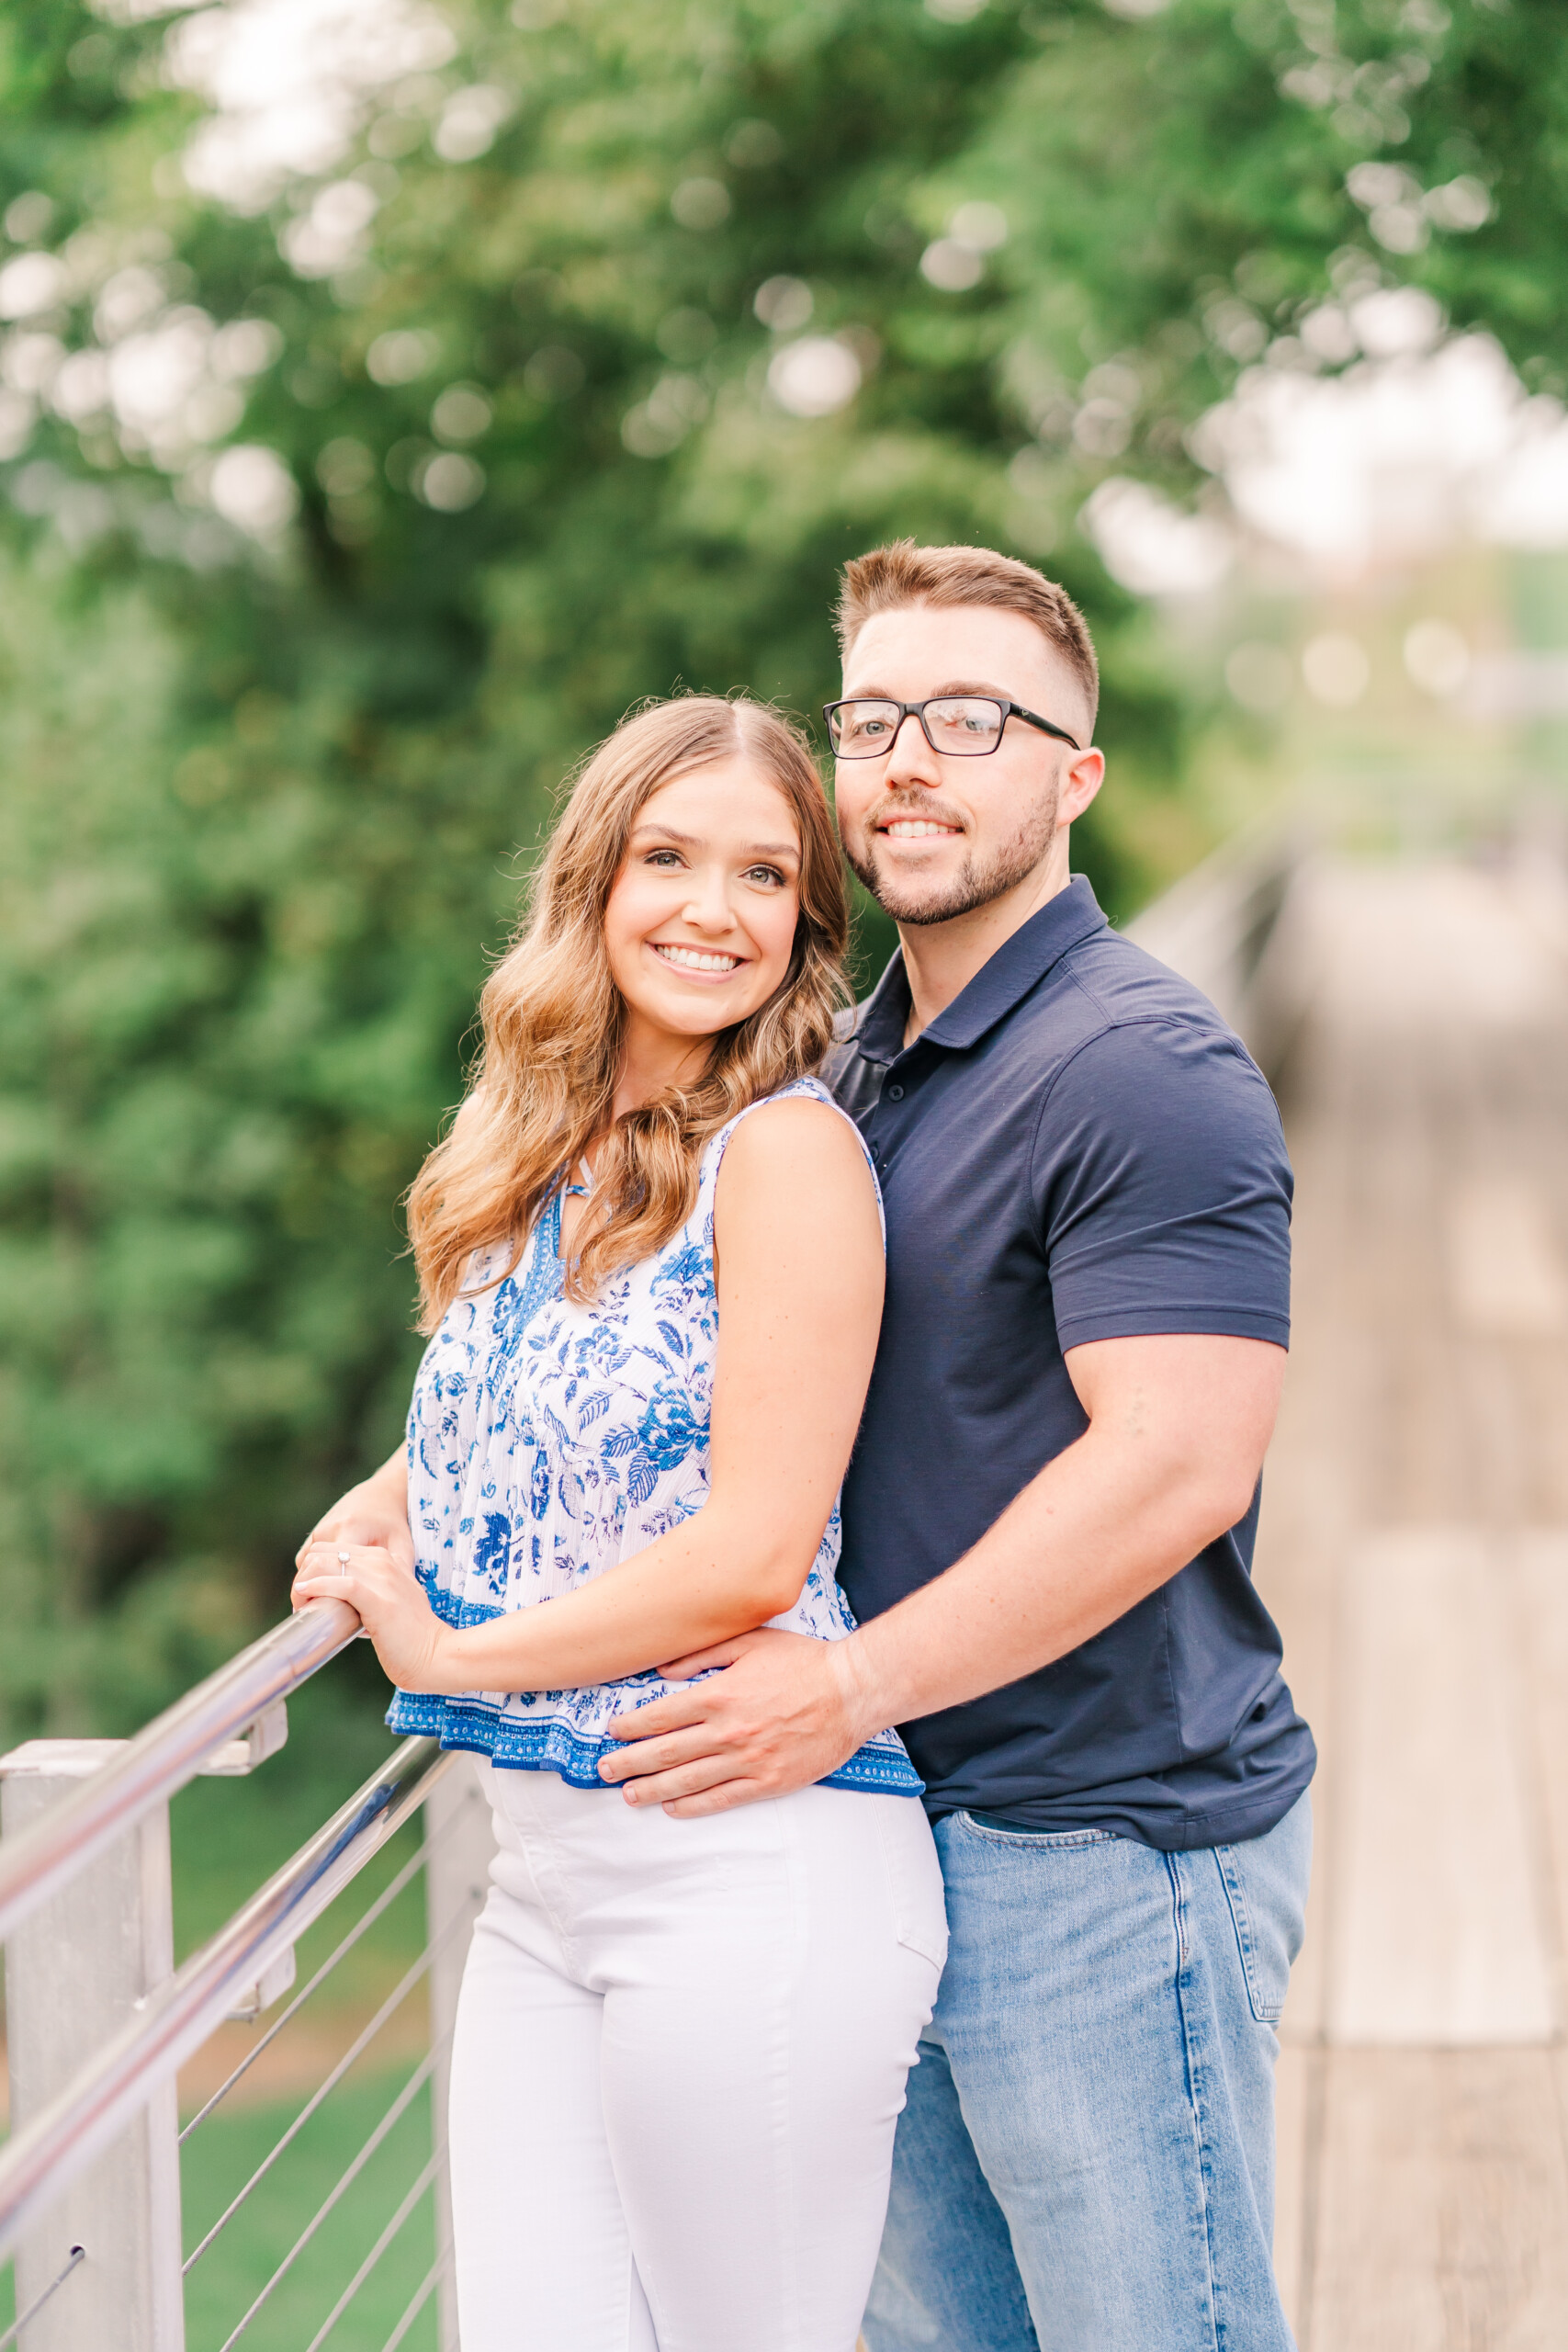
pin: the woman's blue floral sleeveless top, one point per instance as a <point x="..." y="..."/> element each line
<point x="547" y="1440"/>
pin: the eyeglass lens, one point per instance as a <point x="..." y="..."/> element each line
<point x="959" y="724"/>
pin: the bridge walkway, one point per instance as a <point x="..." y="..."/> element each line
<point x="1415" y="1547"/>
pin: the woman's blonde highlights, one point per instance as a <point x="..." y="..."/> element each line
<point x="551" y="1015"/>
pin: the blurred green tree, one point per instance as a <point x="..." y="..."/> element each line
<point x="367" y="464"/>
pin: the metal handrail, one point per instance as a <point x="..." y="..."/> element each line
<point x="1218" y="927"/>
<point x="172" y="2022"/>
<point x="169" y="1752"/>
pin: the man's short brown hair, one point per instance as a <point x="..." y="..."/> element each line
<point x="892" y="579"/>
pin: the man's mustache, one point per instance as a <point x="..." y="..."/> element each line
<point x="887" y="811"/>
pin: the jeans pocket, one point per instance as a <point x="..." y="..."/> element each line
<point x="914" y="1877"/>
<point x="1266" y="1884"/>
<point x="1039" y="1841"/>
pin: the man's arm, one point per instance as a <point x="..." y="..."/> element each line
<point x="1178" y="1426"/>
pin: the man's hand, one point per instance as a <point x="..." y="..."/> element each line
<point x="1178" y="1428"/>
<point x="783" y="1712"/>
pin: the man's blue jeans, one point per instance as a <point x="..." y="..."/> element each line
<point x="1086" y="2160"/>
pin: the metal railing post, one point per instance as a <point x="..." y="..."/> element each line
<point x="75" y="1972"/>
<point x="456" y="1877"/>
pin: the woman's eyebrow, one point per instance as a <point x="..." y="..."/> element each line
<point x="665" y="833"/>
<point x="692" y="841"/>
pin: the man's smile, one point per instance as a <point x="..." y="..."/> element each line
<point x="915" y="828"/>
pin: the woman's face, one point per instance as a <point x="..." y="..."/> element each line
<point x="700" y="923"/>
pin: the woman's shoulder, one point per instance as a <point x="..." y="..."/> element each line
<point x="802" y="1107"/>
<point x="797" y="1090"/>
<point x="804" y="1134"/>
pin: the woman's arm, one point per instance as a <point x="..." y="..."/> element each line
<point x="374" y="1512"/>
<point x="799" y="1271"/>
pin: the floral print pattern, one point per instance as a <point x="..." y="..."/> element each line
<point x="547" y="1441"/>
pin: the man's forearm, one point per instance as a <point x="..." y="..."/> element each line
<point x="1099" y="1529"/>
<point x="1178" y="1428"/>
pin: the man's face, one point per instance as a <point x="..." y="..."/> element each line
<point x="934" y="836"/>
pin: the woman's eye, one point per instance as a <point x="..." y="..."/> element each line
<point x="664" y="857"/>
<point x="768" y="873"/>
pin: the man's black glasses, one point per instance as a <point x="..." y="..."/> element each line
<point x="963" y="726"/>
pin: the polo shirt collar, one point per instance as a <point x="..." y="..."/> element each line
<point x="1019" y="963"/>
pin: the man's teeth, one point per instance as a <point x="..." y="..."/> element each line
<point x="915" y="829"/>
<point x="695" y="959"/>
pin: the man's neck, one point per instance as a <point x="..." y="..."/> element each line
<point x="942" y="958"/>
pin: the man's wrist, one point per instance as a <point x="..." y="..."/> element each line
<point x="868" y="1705"/>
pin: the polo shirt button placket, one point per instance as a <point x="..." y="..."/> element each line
<point x="1143" y="1080"/>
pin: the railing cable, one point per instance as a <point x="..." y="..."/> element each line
<point x="173" y="2021"/>
<point x="362" y="2041"/>
<point x="23" y="2319"/>
<point x="389" y="1894"/>
<point x="377" y="2250"/>
<point x="422" y="2294"/>
<point x="400" y="2106"/>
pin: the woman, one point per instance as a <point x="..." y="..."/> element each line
<point x="652" y="1266"/>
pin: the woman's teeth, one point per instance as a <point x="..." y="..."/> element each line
<point x="695" y="959"/>
<point x="915" y="829"/>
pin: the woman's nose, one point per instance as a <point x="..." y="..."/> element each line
<point x="708" y="908"/>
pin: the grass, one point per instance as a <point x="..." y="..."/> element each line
<point x="221" y="2156"/>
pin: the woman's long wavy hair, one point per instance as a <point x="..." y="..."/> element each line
<point x="541" y="1092"/>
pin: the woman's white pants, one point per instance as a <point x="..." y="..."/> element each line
<point x="680" y="2055"/>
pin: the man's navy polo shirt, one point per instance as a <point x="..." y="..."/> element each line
<point x="1076" y="1149"/>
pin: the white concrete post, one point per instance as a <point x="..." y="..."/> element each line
<point x="456" y="1877"/>
<point x="74" y="1970"/>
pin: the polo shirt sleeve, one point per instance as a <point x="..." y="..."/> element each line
<point x="1162" y="1188"/>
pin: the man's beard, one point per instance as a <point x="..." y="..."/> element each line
<point x="976" y="882"/>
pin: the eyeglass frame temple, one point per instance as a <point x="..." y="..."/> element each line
<point x="918" y="710"/>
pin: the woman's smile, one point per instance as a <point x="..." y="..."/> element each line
<point x="697" y="963"/>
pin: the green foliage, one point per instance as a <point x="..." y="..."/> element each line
<point x="263" y="796"/>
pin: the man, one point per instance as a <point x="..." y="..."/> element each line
<point x="1048" y="1525"/>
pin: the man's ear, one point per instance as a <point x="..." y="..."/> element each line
<point x="1084" y="776"/>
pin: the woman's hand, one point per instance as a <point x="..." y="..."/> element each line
<point x="375" y="1511"/>
<point x="364" y="1516"/>
<point x="410" y="1639"/>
